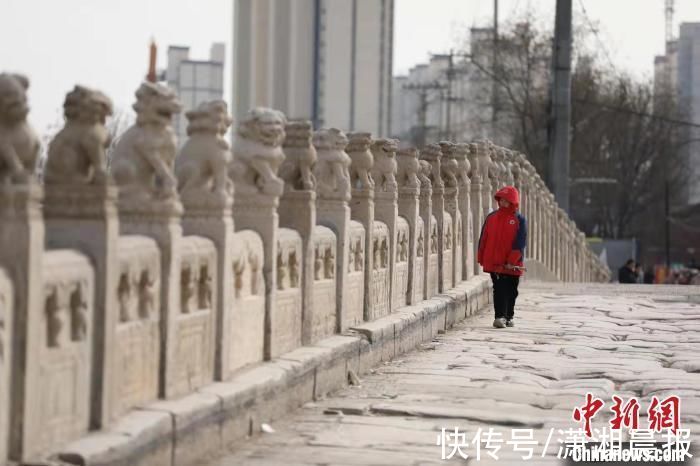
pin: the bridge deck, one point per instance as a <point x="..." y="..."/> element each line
<point x="570" y="339"/>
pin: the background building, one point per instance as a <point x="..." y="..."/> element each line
<point x="450" y="97"/>
<point x="327" y="61"/>
<point x="679" y="71"/>
<point x="195" y="81"/>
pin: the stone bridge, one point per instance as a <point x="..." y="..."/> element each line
<point x="162" y="301"/>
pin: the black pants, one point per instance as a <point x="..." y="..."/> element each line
<point x="505" y="292"/>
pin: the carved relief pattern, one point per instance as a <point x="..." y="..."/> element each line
<point x="66" y="314"/>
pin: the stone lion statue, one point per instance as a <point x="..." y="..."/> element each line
<point x="142" y="161"/>
<point x="432" y="153"/>
<point x="385" y="168"/>
<point x="77" y="153"/>
<point x="358" y="149"/>
<point x="463" y="165"/>
<point x="202" y="163"/>
<point x="333" y="167"/>
<point x="19" y="144"/>
<point x="448" y="164"/>
<point x="424" y="175"/>
<point x="297" y="168"/>
<point x="257" y="152"/>
<point x="408" y="168"/>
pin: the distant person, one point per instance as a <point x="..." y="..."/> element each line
<point x="639" y="272"/>
<point x="627" y="274"/>
<point x="649" y="276"/>
<point x="502" y="252"/>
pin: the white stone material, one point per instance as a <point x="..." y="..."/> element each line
<point x="137" y="330"/>
<point x="193" y="346"/>
<point x="6" y="355"/>
<point x="77" y="152"/>
<point x="297" y="209"/>
<point x="59" y="343"/>
<point x="245" y="325"/>
<point x="354" y="298"/>
<point x="142" y="161"/>
<point x="323" y="316"/>
<point x="286" y="314"/>
<point x="19" y="143"/>
<point x="202" y="163"/>
<point x="257" y="153"/>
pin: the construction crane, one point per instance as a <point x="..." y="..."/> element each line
<point x="669" y="9"/>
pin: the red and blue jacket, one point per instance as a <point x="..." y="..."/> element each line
<point x="503" y="236"/>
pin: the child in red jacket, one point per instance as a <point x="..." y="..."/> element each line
<point x="502" y="251"/>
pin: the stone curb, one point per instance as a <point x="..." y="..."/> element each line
<point x="204" y="423"/>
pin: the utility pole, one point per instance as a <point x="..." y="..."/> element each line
<point x="560" y="117"/>
<point x="450" y="75"/>
<point x="494" y="65"/>
<point x="423" y="89"/>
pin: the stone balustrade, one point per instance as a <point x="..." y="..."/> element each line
<point x="151" y="280"/>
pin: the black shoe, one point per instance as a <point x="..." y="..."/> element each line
<point x="510" y="323"/>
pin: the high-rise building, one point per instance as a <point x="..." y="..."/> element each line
<point x="679" y="71"/>
<point x="328" y="61"/>
<point x="195" y="81"/>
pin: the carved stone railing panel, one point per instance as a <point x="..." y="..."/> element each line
<point x="60" y="351"/>
<point x="380" y="283"/>
<point x="355" y="290"/>
<point x="246" y="324"/>
<point x="286" y="317"/>
<point x="323" y="315"/>
<point x="401" y="272"/>
<point x="433" y="242"/>
<point x="420" y="269"/>
<point x="194" y="344"/>
<point x="447" y="251"/>
<point x="137" y="332"/>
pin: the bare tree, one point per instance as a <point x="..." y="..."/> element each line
<point x="627" y="139"/>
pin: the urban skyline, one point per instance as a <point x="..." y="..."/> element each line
<point x="418" y="32"/>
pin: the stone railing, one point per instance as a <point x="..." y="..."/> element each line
<point x="122" y="289"/>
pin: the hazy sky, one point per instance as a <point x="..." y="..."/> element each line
<point x="104" y="43"/>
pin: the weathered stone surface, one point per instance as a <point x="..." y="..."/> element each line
<point x="475" y="376"/>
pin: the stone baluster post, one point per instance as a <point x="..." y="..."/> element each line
<point x="477" y="217"/>
<point x="424" y="244"/>
<point x="206" y="192"/>
<point x="432" y="154"/>
<point x="551" y="233"/>
<point x="487" y="169"/>
<point x="508" y="161"/>
<point x="257" y="156"/>
<point x="362" y="204"/>
<point x="297" y="208"/>
<point x="149" y="205"/>
<point x="494" y="176"/>
<point x="535" y="221"/>
<point x="409" y="208"/>
<point x="80" y="209"/>
<point x="449" y="169"/>
<point x="386" y="208"/>
<point x="332" y="172"/>
<point x="466" y="258"/>
<point x="21" y="251"/>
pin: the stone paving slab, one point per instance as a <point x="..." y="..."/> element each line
<point x="640" y="341"/>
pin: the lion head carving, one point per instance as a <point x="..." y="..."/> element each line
<point x="257" y="152"/>
<point x="77" y="153"/>
<point x="19" y="144"/>
<point x="201" y="165"/>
